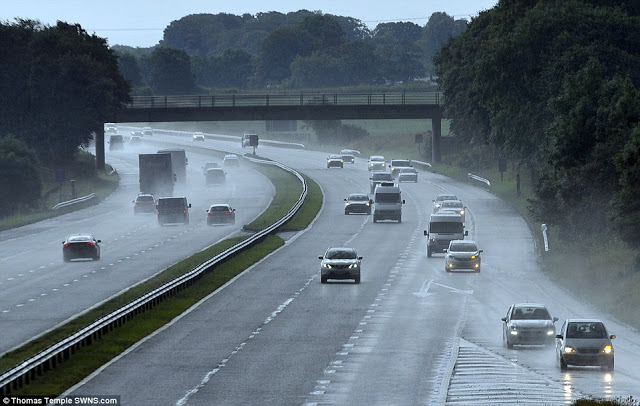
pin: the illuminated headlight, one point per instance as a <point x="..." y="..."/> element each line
<point x="513" y="332"/>
<point x="461" y="212"/>
<point x="352" y="266"/>
<point x="569" y="350"/>
<point x="341" y="160"/>
<point x="346" y="203"/>
<point x="328" y="266"/>
<point x="433" y="240"/>
<point x="368" y="204"/>
<point x="551" y="333"/>
<point x="437" y="206"/>
<point x="608" y="349"/>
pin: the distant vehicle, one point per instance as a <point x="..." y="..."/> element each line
<point x="80" y="246"/>
<point x="462" y="254"/>
<point x="348" y="157"/>
<point x="147" y="131"/>
<point x="408" y="175"/>
<point x="156" y="174"/>
<point x="116" y="142"/>
<point x="388" y="202"/>
<point x="135" y="140"/>
<point x="455" y="206"/>
<point x="379" y="177"/>
<point x="198" y="137"/>
<point x="249" y="140"/>
<point x="440" y="198"/>
<point x="221" y="214"/>
<point x="137" y="133"/>
<point x="231" y="160"/>
<point x="172" y="210"/>
<point x="110" y="128"/>
<point x="144" y="203"/>
<point x="397" y="165"/>
<point x="377" y="163"/>
<point x="209" y="165"/>
<point x="584" y="342"/>
<point x="357" y="203"/>
<point x="528" y="324"/>
<point x="443" y="228"/>
<point x="335" y="161"/>
<point x="340" y="263"/>
<point x="215" y="176"/>
<point x="179" y="163"/>
<point x="350" y="151"/>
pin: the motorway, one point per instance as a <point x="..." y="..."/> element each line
<point x="40" y="291"/>
<point x="408" y="334"/>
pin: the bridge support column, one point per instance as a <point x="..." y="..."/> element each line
<point x="436" y="131"/>
<point x="100" y="148"/>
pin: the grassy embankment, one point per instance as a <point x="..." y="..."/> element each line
<point x="87" y="181"/>
<point x="88" y="359"/>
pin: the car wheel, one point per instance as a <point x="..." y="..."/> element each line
<point x="346" y="212"/>
<point x="563" y="365"/>
<point x="323" y="279"/>
<point x="509" y="345"/>
<point x="357" y="279"/>
<point x="328" y="166"/>
<point x="375" y="219"/>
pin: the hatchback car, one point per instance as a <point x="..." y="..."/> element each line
<point x="221" y="214"/>
<point x="357" y="203"/>
<point x="198" y="137"/>
<point x="135" y="140"/>
<point x="397" y="165"/>
<point x="377" y="163"/>
<point x="584" y="342"/>
<point x="231" y="160"/>
<point x="440" y="198"/>
<point x="462" y="254"/>
<point x="215" y="176"/>
<point x="335" y="161"/>
<point x="378" y="178"/>
<point x="147" y="131"/>
<point x="348" y="157"/>
<point x="208" y="166"/>
<point x="528" y="324"/>
<point x="455" y="206"/>
<point x="144" y="203"/>
<point x="80" y="246"/>
<point x="408" y="175"/>
<point x="340" y="263"/>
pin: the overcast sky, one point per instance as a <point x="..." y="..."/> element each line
<point x="140" y="23"/>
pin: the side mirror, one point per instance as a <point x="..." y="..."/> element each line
<point x="402" y="201"/>
<point x="555" y="319"/>
<point x="612" y="336"/>
<point x="370" y="201"/>
<point x="559" y="336"/>
<point x="99" y="241"/>
<point x="466" y="233"/>
<point x="425" y="233"/>
<point x="345" y="200"/>
<point x="504" y="319"/>
<point x="63" y="242"/>
<point x="360" y="258"/>
<point x="320" y="257"/>
<point x="189" y="205"/>
<point x="480" y="251"/>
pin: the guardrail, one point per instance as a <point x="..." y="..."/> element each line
<point x="74" y="201"/>
<point x="48" y="358"/>
<point x="479" y="179"/>
<point x="299" y="99"/>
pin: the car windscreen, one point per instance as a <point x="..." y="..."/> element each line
<point x="463" y="247"/>
<point x="446" y="227"/>
<point x="388" y="198"/>
<point x="586" y="330"/>
<point x="445" y="197"/>
<point x="530" y="313"/>
<point x="377" y="159"/>
<point x="452" y="205"/>
<point x="341" y="254"/>
<point x="382" y="176"/>
<point x="173" y="203"/>
<point x="358" y="198"/>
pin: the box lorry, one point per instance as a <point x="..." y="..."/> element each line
<point x="444" y="227"/>
<point x="179" y="162"/>
<point x="156" y="174"/>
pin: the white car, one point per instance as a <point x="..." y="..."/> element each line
<point x="462" y="254"/>
<point x="408" y="175"/>
<point x="231" y="160"/>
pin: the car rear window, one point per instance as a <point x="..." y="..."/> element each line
<point x="400" y="162"/>
<point x="219" y="208"/>
<point x="79" y="238"/>
<point x="382" y="176"/>
<point x="145" y="198"/>
<point x="171" y="203"/>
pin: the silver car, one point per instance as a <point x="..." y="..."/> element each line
<point x="340" y="263"/>
<point x="528" y="324"/>
<point x="455" y="206"/>
<point x="584" y="342"/>
<point x="462" y="254"/>
<point x="440" y="198"/>
<point x="408" y="175"/>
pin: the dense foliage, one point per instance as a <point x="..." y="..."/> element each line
<point x="19" y="175"/>
<point x="295" y="50"/>
<point x="553" y="85"/>
<point x="57" y="85"/>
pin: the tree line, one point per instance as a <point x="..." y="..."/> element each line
<point x="57" y="85"/>
<point x="301" y="49"/>
<point x="554" y="87"/>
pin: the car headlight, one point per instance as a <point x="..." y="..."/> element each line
<point x="474" y="256"/>
<point x="513" y="332"/>
<point x="346" y="203"/>
<point x="551" y="333"/>
<point x="328" y="266"/>
<point x="461" y="212"/>
<point x="352" y="266"/>
<point x="569" y="350"/>
<point x="608" y="349"/>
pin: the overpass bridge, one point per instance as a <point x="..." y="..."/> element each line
<point x="298" y="106"/>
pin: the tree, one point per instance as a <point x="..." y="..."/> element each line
<point x="440" y="28"/>
<point x="130" y="69"/>
<point x="19" y="176"/>
<point x="171" y="72"/>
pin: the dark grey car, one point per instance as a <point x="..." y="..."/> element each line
<point x="340" y="263"/>
<point x="584" y="342"/>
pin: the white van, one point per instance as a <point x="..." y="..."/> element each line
<point x="443" y="228"/>
<point x="388" y="202"/>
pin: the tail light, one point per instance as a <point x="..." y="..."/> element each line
<point x="66" y="244"/>
<point x="229" y="213"/>
<point x="210" y="213"/>
<point x="91" y="244"/>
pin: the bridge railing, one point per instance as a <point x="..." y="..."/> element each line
<point x="299" y="99"/>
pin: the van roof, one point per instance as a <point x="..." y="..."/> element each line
<point x="446" y="217"/>
<point x="387" y="189"/>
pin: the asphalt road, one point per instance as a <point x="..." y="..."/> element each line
<point x="408" y="334"/>
<point x="39" y="290"/>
